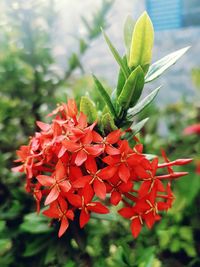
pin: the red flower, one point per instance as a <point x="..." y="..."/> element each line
<point x="59" y="210"/>
<point x="96" y="178"/>
<point x="58" y="182"/>
<point x="108" y="141"/>
<point x="84" y="202"/>
<point x="67" y="164"/>
<point x="83" y="148"/>
<point x="192" y="129"/>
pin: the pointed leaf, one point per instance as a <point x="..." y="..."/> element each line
<point x="128" y="32"/>
<point x="137" y="127"/>
<point x="104" y="95"/>
<point x="142" y="43"/>
<point x="132" y="88"/>
<point x="88" y="108"/>
<point x="143" y="103"/>
<point x="116" y="55"/>
<point x="121" y="78"/>
<point x="160" y="66"/>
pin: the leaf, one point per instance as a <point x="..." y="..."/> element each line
<point x="104" y="95"/>
<point x="36" y="246"/>
<point x="5" y="245"/>
<point x="121" y="78"/>
<point x="35" y="224"/>
<point x="142" y="43"/>
<point x="108" y="217"/>
<point x="160" y="66"/>
<point x="132" y="87"/>
<point x="88" y="108"/>
<point x="143" y="103"/>
<point x="107" y="123"/>
<point x="128" y="32"/>
<point x="138" y="126"/>
<point x="116" y="55"/>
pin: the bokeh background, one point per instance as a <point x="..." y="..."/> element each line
<point x="47" y="51"/>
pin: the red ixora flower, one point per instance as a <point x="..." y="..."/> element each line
<point x="68" y="164"/>
<point x="192" y="129"/>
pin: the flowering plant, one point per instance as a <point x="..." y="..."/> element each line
<point x="86" y="160"/>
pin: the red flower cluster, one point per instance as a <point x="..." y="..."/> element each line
<point x="192" y="129"/>
<point x="68" y="163"/>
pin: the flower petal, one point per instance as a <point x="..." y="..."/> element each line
<point x="87" y="193"/>
<point x="94" y="150"/>
<point x="136" y="227"/>
<point x="82" y="181"/>
<point x="110" y="150"/>
<point x="91" y="165"/>
<point x="70" y="146"/>
<point x="74" y="200"/>
<point x="60" y="170"/>
<point x="99" y="189"/>
<point x="63" y="227"/>
<point x="126" y="212"/>
<point x="98" y="208"/>
<point x="115" y="198"/>
<point x="84" y="218"/>
<point x="45" y="180"/>
<point x="124" y="172"/>
<point x="107" y="172"/>
<point x="65" y="186"/>
<point x="114" y="136"/>
<point x="81" y="157"/>
<point x="52" y="196"/>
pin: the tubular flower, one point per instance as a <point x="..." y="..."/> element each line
<point x="68" y="163"/>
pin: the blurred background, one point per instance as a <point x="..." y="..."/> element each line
<point x="48" y="49"/>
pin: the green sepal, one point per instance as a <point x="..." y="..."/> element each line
<point x="142" y="43"/>
<point x="104" y="96"/>
<point x="87" y="106"/>
<point x="160" y="66"/>
<point x="116" y="55"/>
<point x="132" y="89"/>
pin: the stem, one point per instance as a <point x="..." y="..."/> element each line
<point x="81" y="239"/>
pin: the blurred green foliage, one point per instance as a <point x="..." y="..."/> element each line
<point x="30" y="86"/>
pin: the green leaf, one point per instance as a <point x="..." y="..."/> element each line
<point x="142" y="43"/>
<point x="128" y="32"/>
<point x="35" y="247"/>
<point x="5" y="245"/>
<point x="82" y="46"/>
<point x="107" y="123"/>
<point x="104" y="96"/>
<point x="88" y="108"/>
<point x="2" y="226"/>
<point x="116" y="55"/>
<point x="160" y="66"/>
<point x="35" y="224"/>
<point x="138" y="126"/>
<point x="132" y="88"/>
<point x="108" y="217"/>
<point x="143" y="103"/>
<point x="121" y="78"/>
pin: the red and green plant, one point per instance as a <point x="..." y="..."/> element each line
<point x="83" y="158"/>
